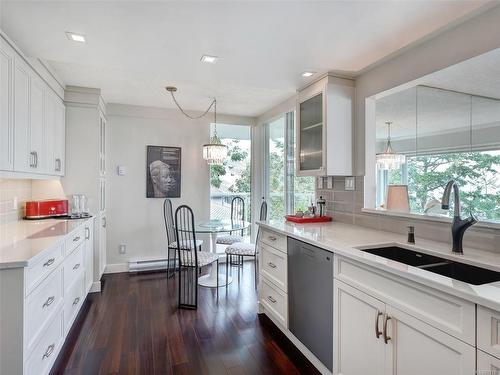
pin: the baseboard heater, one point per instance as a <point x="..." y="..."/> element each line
<point x="149" y="265"/>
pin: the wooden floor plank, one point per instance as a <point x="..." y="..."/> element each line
<point x="134" y="327"/>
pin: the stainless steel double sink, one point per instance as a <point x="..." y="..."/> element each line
<point x="442" y="266"/>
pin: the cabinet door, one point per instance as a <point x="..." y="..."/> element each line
<point x="50" y="131"/>
<point x="416" y="348"/>
<point x="24" y="160"/>
<point x="102" y="146"/>
<point x="6" y="107"/>
<point x="37" y="124"/>
<point x="102" y="244"/>
<point x="487" y="364"/>
<point x="60" y="137"/>
<point x="89" y="255"/>
<point x="310" y="135"/>
<point x="357" y="323"/>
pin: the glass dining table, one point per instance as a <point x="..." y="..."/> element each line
<point x="213" y="227"/>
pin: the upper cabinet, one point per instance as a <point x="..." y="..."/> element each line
<point x="32" y="123"/>
<point x="6" y="107"/>
<point x="324" y="128"/>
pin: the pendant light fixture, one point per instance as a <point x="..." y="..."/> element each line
<point x="215" y="153"/>
<point x="389" y="159"/>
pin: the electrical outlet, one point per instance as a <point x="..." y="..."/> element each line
<point x="122" y="249"/>
<point x="350" y="183"/>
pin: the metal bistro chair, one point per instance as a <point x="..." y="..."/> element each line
<point x="237" y="214"/>
<point x="243" y="249"/>
<point x="190" y="260"/>
<point x="168" y="217"/>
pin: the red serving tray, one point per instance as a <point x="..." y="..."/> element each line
<point x="304" y="220"/>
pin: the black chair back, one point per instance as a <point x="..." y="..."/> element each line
<point x="168" y="217"/>
<point x="263" y="217"/>
<point x="188" y="257"/>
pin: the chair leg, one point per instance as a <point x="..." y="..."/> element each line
<point x="227" y="270"/>
<point x="255" y="272"/>
<point x="168" y="263"/>
<point x="238" y="268"/>
<point x="217" y="279"/>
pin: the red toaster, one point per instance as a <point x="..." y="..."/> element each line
<point x="46" y="208"/>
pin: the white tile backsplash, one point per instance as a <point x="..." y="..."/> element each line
<point x="13" y="194"/>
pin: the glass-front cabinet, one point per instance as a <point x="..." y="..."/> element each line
<point x="324" y="131"/>
<point x="311" y="134"/>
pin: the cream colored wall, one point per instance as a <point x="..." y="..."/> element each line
<point x="132" y="218"/>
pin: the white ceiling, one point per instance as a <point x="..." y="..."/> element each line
<point x="135" y="48"/>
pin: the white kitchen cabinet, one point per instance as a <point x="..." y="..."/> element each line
<point x="6" y="107"/>
<point x="102" y="145"/>
<point x="54" y="134"/>
<point x="324" y="128"/>
<point x="417" y="348"/>
<point x="37" y="124"/>
<point x="487" y="364"/>
<point x="358" y="321"/>
<point x="102" y="243"/>
<point x="89" y="255"/>
<point x="24" y="159"/>
<point x="390" y="341"/>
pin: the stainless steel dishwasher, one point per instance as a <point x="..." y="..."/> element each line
<point x="310" y="298"/>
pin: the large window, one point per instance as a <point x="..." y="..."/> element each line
<point x="477" y="173"/>
<point x="233" y="178"/>
<point x="285" y="192"/>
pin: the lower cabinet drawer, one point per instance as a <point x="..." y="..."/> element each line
<point x="73" y="266"/>
<point x="45" y="352"/>
<point x="46" y="264"/>
<point x="274" y="266"/>
<point x="75" y="239"/>
<point x="488" y="331"/>
<point x="487" y="364"/>
<point x="274" y="300"/>
<point x="73" y="301"/>
<point x="41" y="305"/>
<point x="276" y="240"/>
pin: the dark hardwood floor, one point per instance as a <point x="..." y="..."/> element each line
<point x="134" y="327"/>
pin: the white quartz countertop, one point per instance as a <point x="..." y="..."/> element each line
<point x="346" y="239"/>
<point x="22" y="241"/>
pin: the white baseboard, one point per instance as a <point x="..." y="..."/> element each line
<point x="116" y="268"/>
<point x="96" y="287"/>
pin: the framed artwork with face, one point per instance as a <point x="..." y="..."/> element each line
<point x="163" y="172"/>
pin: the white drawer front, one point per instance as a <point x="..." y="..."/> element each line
<point x="75" y="239"/>
<point x="487" y="364"/>
<point x="46" y="349"/>
<point x="488" y="331"/>
<point x="450" y="314"/>
<point x="38" y="271"/>
<point x="73" y="300"/>
<point x="274" y="300"/>
<point x="41" y="305"/>
<point x="274" y="266"/>
<point x="73" y="266"/>
<point x="278" y="241"/>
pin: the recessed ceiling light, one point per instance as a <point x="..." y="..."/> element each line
<point x="75" y="37"/>
<point x="209" y="59"/>
<point x="308" y="74"/>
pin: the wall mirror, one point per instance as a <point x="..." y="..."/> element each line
<point x="447" y="126"/>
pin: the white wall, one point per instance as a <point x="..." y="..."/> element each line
<point x="133" y="219"/>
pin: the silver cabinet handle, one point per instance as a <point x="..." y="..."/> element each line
<point x="377" y="318"/>
<point x="87" y="233"/>
<point x="76" y="266"/>
<point x="58" y="165"/>
<point x="49" y="351"/>
<point x="49" y="262"/>
<point x="104" y="222"/>
<point x="36" y="158"/>
<point x="271" y="264"/>
<point x="48" y="302"/>
<point x="272" y="238"/>
<point x="386" y="337"/>
<point x="32" y="159"/>
<point x="77" y="299"/>
<point x="77" y="238"/>
<point x="271" y="299"/>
